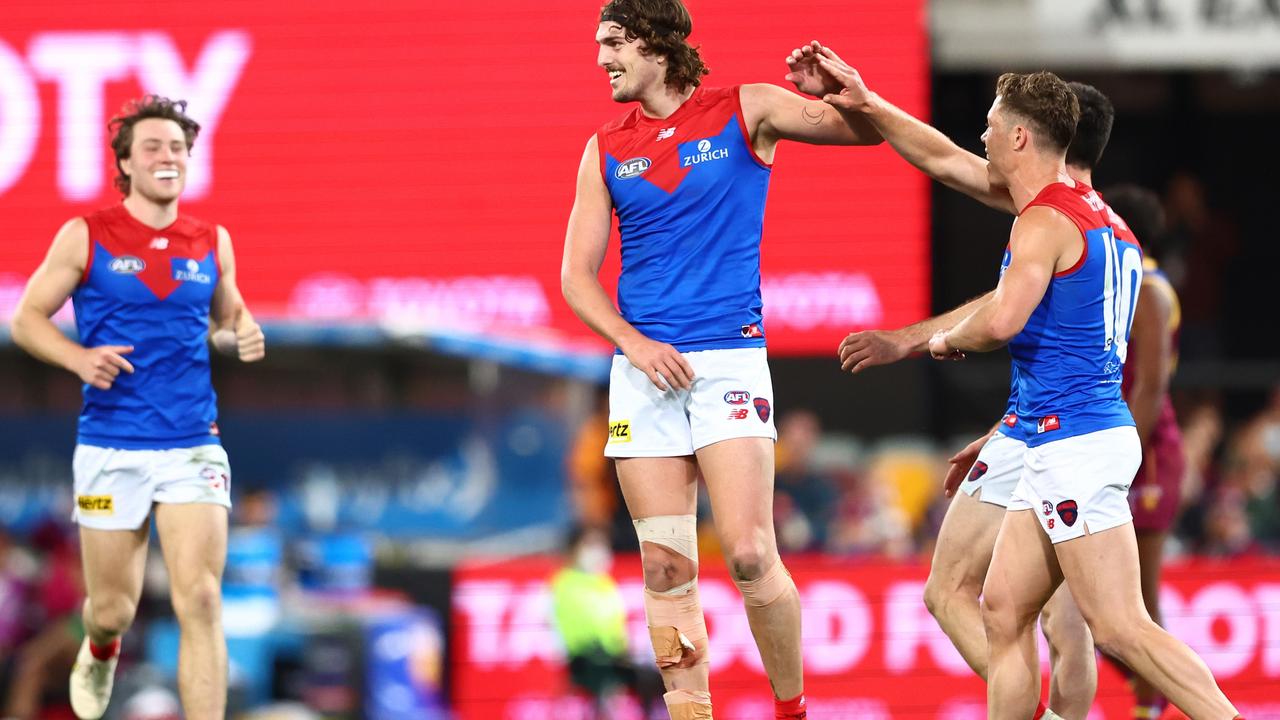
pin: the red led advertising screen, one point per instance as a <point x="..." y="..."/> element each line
<point x="871" y="649"/>
<point x="412" y="164"/>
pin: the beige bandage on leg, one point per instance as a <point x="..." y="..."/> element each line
<point x="676" y="626"/>
<point x="767" y="588"/>
<point x="688" y="705"/>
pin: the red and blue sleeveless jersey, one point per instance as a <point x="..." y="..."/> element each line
<point x="689" y="193"/>
<point x="150" y="289"/>
<point x="1070" y="355"/>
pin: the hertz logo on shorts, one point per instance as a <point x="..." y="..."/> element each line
<point x="96" y="504"/>
<point x="620" y="432"/>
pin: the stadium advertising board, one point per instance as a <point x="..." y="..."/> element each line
<point x="413" y="164"/>
<point x="871" y="649"/>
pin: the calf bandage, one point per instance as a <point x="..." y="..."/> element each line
<point x="688" y="704"/>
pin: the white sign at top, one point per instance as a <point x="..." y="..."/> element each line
<point x="1242" y="34"/>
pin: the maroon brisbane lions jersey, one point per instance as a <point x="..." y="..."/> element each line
<point x="1156" y="492"/>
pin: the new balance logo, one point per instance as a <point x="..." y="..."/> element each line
<point x="665" y="133"/>
<point x="159" y="243"/>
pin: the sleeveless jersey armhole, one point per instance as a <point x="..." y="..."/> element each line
<point x="217" y="250"/>
<point x="1084" y="238"/>
<point x="88" y="259"/>
<point x="742" y="125"/>
<point x="604" y="177"/>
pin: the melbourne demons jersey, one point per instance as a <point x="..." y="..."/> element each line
<point x="150" y="289"/>
<point x="1070" y="354"/>
<point x="689" y="193"/>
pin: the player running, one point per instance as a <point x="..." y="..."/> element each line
<point x="148" y="285"/>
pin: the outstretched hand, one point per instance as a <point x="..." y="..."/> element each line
<point x="807" y="75"/>
<point x="959" y="465"/>
<point x="869" y="348"/>
<point x="848" y="91"/>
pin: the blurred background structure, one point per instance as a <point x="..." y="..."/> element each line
<point x="427" y="427"/>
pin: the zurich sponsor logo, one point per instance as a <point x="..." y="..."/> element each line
<point x="705" y="153"/>
<point x="127" y="265"/>
<point x="632" y="168"/>
<point x="189" y="271"/>
<point x="737" y="397"/>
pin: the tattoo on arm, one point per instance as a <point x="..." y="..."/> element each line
<point x="813" y="116"/>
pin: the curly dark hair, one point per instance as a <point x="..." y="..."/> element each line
<point x="664" y="26"/>
<point x="148" y="106"/>
<point x="1043" y="100"/>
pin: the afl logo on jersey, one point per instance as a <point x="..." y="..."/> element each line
<point x="737" y="397"/>
<point x="127" y="265"/>
<point x="632" y="168"/>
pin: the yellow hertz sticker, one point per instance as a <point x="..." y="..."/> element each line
<point x="96" y="504"/>
<point x="620" y="432"/>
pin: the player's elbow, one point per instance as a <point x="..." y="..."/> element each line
<point x="20" y="326"/>
<point x="1003" y="327"/>
<point x="571" y="279"/>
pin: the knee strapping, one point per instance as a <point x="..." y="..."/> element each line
<point x="678" y="532"/>
<point x="688" y="704"/>
<point x="676" y="625"/>
<point x="766" y="589"/>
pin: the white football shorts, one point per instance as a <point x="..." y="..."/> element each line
<point x="1080" y="482"/>
<point x="115" y="488"/>
<point x="732" y="397"/>
<point x="996" y="471"/>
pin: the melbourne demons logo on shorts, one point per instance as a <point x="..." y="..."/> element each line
<point x="978" y="470"/>
<point x="763" y="409"/>
<point x="1068" y="511"/>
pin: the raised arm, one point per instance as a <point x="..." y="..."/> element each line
<point x="233" y="329"/>
<point x="47" y="290"/>
<point x="1151" y="355"/>
<point x="585" y="243"/>
<point x="917" y="142"/>
<point x="773" y="113"/>
<point x="1041" y="242"/>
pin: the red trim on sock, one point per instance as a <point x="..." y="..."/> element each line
<point x="789" y="709"/>
<point x="1040" y="711"/>
<point x="105" y="652"/>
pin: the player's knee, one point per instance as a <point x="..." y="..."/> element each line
<point x="112" y="614"/>
<point x="198" y="601"/>
<point x="668" y="550"/>
<point x="665" y="569"/>
<point x="940" y="594"/>
<point x="766" y="589"/>
<point x="748" y="560"/>
<point x="1066" y="632"/>
<point x="1116" y="638"/>
<point x="999" y="616"/>
<point x="669" y="547"/>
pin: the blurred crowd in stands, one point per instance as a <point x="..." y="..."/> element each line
<point x="835" y="494"/>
